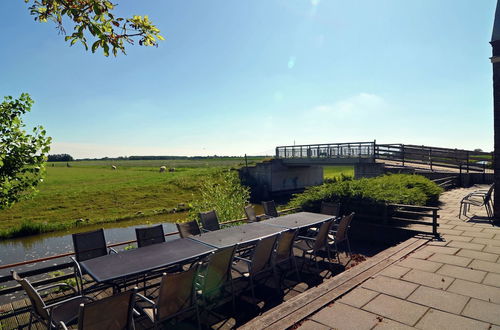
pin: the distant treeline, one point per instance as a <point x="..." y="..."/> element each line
<point x="59" y="158"/>
<point x="167" y="157"/>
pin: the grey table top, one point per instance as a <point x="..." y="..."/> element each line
<point x="298" y="220"/>
<point x="242" y="234"/>
<point x="139" y="261"/>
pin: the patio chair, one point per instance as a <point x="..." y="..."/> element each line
<point x="259" y="264"/>
<point x="478" y="198"/>
<point x="176" y="296"/>
<point x="209" y="221"/>
<point x="189" y="228"/>
<point x="215" y="280"/>
<point x="114" y="312"/>
<point x="312" y="246"/>
<point x="284" y="252"/>
<point x="87" y="246"/>
<point x="51" y="315"/>
<point x="339" y="235"/>
<point x="149" y="235"/>
<point x="270" y="209"/>
<point x="330" y="209"/>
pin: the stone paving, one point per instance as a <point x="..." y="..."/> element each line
<point x="449" y="284"/>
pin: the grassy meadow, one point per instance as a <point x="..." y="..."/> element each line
<point x="94" y="192"/>
<point x="330" y="172"/>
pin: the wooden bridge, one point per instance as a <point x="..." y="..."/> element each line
<point x="405" y="155"/>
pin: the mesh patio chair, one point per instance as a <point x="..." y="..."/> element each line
<point x="339" y="235"/>
<point x="189" y="228"/>
<point x="259" y="264"/>
<point x="478" y="198"/>
<point x="284" y="252"/>
<point x="87" y="246"/>
<point x="209" y="221"/>
<point x="114" y="312"/>
<point x="176" y="296"/>
<point x="330" y="209"/>
<point x="250" y="213"/>
<point x="312" y="246"/>
<point x="149" y="235"/>
<point x="51" y="315"/>
<point x="270" y="209"/>
<point x="215" y="280"/>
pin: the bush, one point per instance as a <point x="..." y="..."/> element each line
<point x="223" y="193"/>
<point x="392" y="188"/>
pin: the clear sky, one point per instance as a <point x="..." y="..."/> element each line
<point x="236" y="77"/>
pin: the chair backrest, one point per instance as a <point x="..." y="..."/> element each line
<point x="176" y="293"/>
<point x="487" y="197"/>
<point x="218" y="270"/>
<point x="89" y="245"/>
<point x="114" y="312"/>
<point x="149" y="235"/>
<point x="189" y="228"/>
<point x="36" y="301"/>
<point x="262" y="253"/>
<point x="270" y="208"/>
<point x="322" y="236"/>
<point x="250" y="213"/>
<point x="343" y="226"/>
<point x="284" y="246"/>
<point x="209" y="220"/>
<point x="330" y="208"/>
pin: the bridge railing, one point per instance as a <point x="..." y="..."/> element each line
<point x="464" y="160"/>
<point x="328" y="150"/>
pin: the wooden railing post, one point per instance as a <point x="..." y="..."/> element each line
<point x="434" y="223"/>
<point x="403" y="153"/>
<point x="430" y="157"/>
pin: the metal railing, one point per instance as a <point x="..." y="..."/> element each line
<point x="328" y="150"/>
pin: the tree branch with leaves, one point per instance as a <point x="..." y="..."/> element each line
<point x="94" y="23"/>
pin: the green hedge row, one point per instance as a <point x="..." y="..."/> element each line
<point x="393" y="188"/>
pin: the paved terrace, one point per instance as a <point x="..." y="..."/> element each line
<point x="453" y="284"/>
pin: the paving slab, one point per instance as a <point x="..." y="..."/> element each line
<point x="396" y="309"/>
<point x="485" y="241"/>
<point x="340" y="316"/>
<point x="390" y="286"/>
<point x="395" y="271"/>
<point x="428" y="279"/>
<point x="448" y="238"/>
<point x="468" y="229"/>
<point x="466" y="245"/>
<point x="476" y="290"/>
<point x="439" y="299"/>
<point x="462" y="272"/>
<point x="421" y="254"/>
<point x="451" y="231"/>
<point x="482" y="310"/>
<point x="358" y="297"/>
<point x="435" y="319"/>
<point x="486" y="266"/>
<point x="492" y="249"/>
<point x="478" y="255"/>
<point x="478" y="234"/>
<point x="425" y="265"/>
<point x="440" y="249"/>
<point x="313" y="325"/>
<point x="450" y="259"/>
<point x="492" y="279"/>
<point x="386" y="324"/>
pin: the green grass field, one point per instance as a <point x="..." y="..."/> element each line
<point x="330" y="172"/>
<point x="93" y="190"/>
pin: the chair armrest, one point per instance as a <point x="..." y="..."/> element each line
<point x="306" y="238"/>
<point x="63" y="325"/>
<point x="145" y="299"/>
<point x="243" y="259"/>
<point x="111" y="250"/>
<point x="65" y="301"/>
<point x="55" y="285"/>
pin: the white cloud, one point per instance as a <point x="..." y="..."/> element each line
<point x="359" y="104"/>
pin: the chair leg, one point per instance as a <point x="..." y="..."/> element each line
<point x="252" y="288"/>
<point x="296" y="269"/>
<point x="349" y="247"/>
<point x="460" y="212"/>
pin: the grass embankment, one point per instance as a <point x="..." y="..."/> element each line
<point x="94" y="192"/>
<point x="394" y="188"/>
<point x="337" y="172"/>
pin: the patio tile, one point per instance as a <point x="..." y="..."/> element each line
<point x="468" y="228"/>
<point x="485" y="241"/>
<point x="439" y="299"/>
<point x="463" y="273"/>
<point x="441" y="249"/>
<point x="425" y="265"/>
<point x="478" y="255"/>
<point x="465" y="245"/>
<point x="450" y="259"/>
<point x="386" y="324"/>
<point x="390" y="286"/>
<point x="476" y="290"/>
<point x="428" y="279"/>
<point x="312" y="325"/>
<point x="340" y="316"/>
<point x="421" y="254"/>
<point x="435" y="319"/>
<point x="478" y="234"/>
<point x="492" y="279"/>
<point x="396" y="309"/>
<point x="358" y="297"/>
<point x="486" y="265"/>
<point x="482" y="310"/>
<point x="457" y="238"/>
<point x="395" y="271"/>
<point x="450" y="231"/>
<point x="492" y="249"/>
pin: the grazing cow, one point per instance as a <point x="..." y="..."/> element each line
<point x="171" y="169"/>
<point x="163" y="169"/>
<point x="113" y="167"/>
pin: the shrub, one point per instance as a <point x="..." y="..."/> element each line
<point x="392" y="188"/>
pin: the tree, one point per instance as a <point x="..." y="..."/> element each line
<point x="95" y="18"/>
<point x="60" y="158"/>
<point x="22" y="155"/>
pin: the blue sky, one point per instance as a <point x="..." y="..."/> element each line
<point x="236" y="77"/>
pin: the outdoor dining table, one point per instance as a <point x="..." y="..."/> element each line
<point x="241" y="235"/>
<point x="119" y="266"/>
<point x="298" y="220"/>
